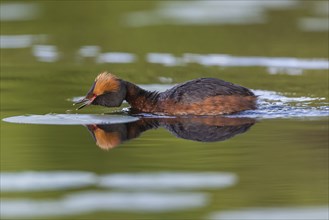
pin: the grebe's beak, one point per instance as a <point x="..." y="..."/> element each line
<point x="85" y="102"/>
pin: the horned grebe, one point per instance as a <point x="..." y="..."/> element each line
<point x="204" y="96"/>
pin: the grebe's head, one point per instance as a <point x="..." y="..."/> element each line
<point x="107" y="90"/>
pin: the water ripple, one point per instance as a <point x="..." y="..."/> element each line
<point x="92" y="201"/>
<point x="275" y="105"/>
<point x="42" y="181"/>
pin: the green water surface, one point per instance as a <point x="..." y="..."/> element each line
<point x="279" y="162"/>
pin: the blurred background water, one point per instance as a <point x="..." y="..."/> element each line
<point x="272" y="166"/>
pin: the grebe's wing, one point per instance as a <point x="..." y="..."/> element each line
<point x="202" y="88"/>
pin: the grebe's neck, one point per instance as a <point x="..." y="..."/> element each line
<point x="140" y="99"/>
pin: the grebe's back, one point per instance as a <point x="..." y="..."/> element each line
<point x="200" y="89"/>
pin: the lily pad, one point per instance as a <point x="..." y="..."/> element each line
<point x="70" y="119"/>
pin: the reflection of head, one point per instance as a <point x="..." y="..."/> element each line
<point x="108" y="136"/>
<point x="105" y="139"/>
<point x="204" y="129"/>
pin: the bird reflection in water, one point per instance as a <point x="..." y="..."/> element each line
<point x="203" y="129"/>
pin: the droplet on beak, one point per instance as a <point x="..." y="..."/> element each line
<point x="85" y="102"/>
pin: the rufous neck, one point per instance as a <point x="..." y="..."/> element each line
<point x="140" y="99"/>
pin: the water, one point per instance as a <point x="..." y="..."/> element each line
<point x="102" y="163"/>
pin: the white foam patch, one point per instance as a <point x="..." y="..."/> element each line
<point x="275" y="105"/>
<point x="116" y="57"/>
<point x="274" y="96"/>
<point x="169" y="180"/>
<point x="165" y="59"/>
<point x="41" y="181"/>
<point x="46" y="53"/>
<point x="136" y="198"/>
<point x="89" y="51"/>
<point x="88" y="202"/>
<point x="275" y="64"/>
<point x="70" y="119"/>
<point x="18" y="11"/>
<point x="19" y="41"/>
<point x="292" y="213"/>
<point x="156" y="87"/>
<point x="314" y="24"/>
<point x="199" y="12"/>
